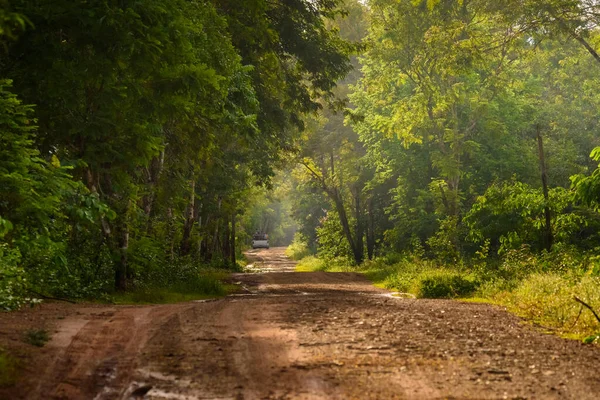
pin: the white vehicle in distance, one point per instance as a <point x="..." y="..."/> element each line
<point x="260" y="241"/>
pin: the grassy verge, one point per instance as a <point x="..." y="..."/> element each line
<point x="210" y="284"/>
<point x="527" y="287"/>
<point x="297" y="250"/>
<point x="548" y="301"/>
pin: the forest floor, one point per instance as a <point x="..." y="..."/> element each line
<point x="290" y="335"/>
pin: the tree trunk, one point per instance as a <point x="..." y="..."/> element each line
<point x="121" y="271"/>
<point x="233" y="260"/>
<point x="189" y="222"/>
<point x="122" y="246"/>
<point x="360" y="229"/>
<point x="216" y="239"/>
<point x="226" y="245"/>
<point x="370" y="230"/>
<point x="153" y="172"/>
<point x="548" y="237"/>
<point x="339" y="205"/>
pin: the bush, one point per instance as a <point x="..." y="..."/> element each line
<point x="298" y="249"/>
<point x="421" y="277"/>
<point x="443" y="284"/>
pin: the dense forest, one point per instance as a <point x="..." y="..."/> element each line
<point x="465" y="162"/>
<point x="443" y="147"/>
<point x="136" y="135"/>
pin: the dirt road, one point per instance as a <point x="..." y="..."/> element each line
<point x="297" y="336"/>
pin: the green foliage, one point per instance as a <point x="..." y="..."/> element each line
<point x="591" y="339"/>
<point x="511" y="214"/>
<point x="436" y="284"/>
<point x="331" y="240"/>
<point x="311" y="264"/>
<point x="33" y="193"/>
<point x="13" y="292"/>
<point x="298" y="249"/>
<point x="154" y="124"/>
<point x="587" y="188"/>
<point x="547" y="299"/>
<point x="445" y="243"/>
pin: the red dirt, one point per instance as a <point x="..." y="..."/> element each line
<point x="295" y="336"/>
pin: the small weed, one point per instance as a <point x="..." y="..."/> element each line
<point x="36" y="337"/>
<point x="592" y="339"/>
<point x="443" y="284"/>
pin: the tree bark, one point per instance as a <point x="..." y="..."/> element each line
<point x="339" y="205"/>
<point x="548" y="237"/>
<point x="121" y="270"/>
<point x="370" y="230"/>
<point x="189" y="222"/>
<point x="226" y="245"/>
<point x="233" y="260"/>
<point x="360" y="230"/>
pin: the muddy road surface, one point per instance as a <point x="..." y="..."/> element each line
<point x="290" y="335"/>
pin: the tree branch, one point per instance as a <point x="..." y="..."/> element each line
<point x="577" y="299"/>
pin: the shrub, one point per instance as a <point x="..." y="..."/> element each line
<point x="298" y="249"/>
<point x="443" y="283"/>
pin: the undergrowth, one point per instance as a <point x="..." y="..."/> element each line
<point x="298" y="249"/>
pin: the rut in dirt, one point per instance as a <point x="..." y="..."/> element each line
<point x="318" y="335"/>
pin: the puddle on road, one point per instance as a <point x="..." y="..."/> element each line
<point x="173" y="388"/>
<point x="263" y="268"/>
<point x="161" y="394"/>
<point x="397" y="295"/>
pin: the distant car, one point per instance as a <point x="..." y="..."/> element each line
<point x="260" y="241"/>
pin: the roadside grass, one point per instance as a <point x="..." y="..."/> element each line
<point x="208" y="285"/>
<point x="297" y="250"/>
<point x="313" y="264"/>
<point x="548" y="300"/>
<point x="8" y="369"/>
<point x="536" y="291"/>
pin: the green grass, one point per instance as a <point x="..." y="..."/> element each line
<point x="297" y="250"/>
<point x="312" y="264"/>
<point x="205" y="286"/>
<point x="547" y="300"/>
<point x="8" y="370"/>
